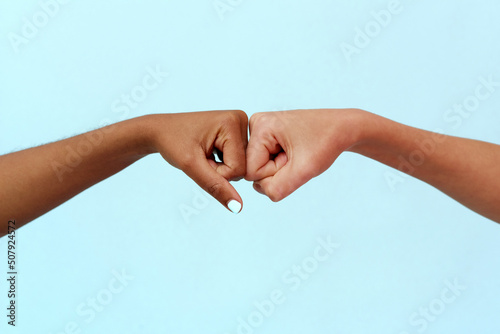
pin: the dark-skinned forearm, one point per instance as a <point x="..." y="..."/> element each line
<point x="36" y="180"/>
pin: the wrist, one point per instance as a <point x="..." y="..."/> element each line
<point x="366" y="127"/>
<point x="144" y="133"/>
<point x="351" y="128"/>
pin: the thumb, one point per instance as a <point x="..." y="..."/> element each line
<point x="215" y="184"/>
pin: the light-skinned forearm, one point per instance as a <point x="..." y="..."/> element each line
<point x="465" y="169"/>
<point x="36" y="180"/>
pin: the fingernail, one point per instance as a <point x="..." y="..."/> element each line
<point x="234" y="206"/>
<point x="219" y="157"/>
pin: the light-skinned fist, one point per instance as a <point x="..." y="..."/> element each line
<point x="288" y="148"/>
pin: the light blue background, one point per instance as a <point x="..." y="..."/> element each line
<point x="198" y="274"/>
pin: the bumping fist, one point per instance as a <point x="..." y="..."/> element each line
<point x="188" y="141"/>
<point x="288" y="148"/>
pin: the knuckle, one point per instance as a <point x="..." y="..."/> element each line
<point x="274" y="193"/>
<point x="236" y="172"/>
<point x="250" y="174"/>
<point x="275" y="198"/>
<point x="266" y="120"/>
<point x="256" y="118"/>
<point x="215" y="189"/>
<point x="241" y="115"/>
<point x="233" y="117"/>
<point x="240" y="171"/>
<point x="230" y="121"/>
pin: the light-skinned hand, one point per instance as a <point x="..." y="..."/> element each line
<point x="288" y="148"/>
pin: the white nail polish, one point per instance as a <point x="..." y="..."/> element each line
<point x="234" y="206"/>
